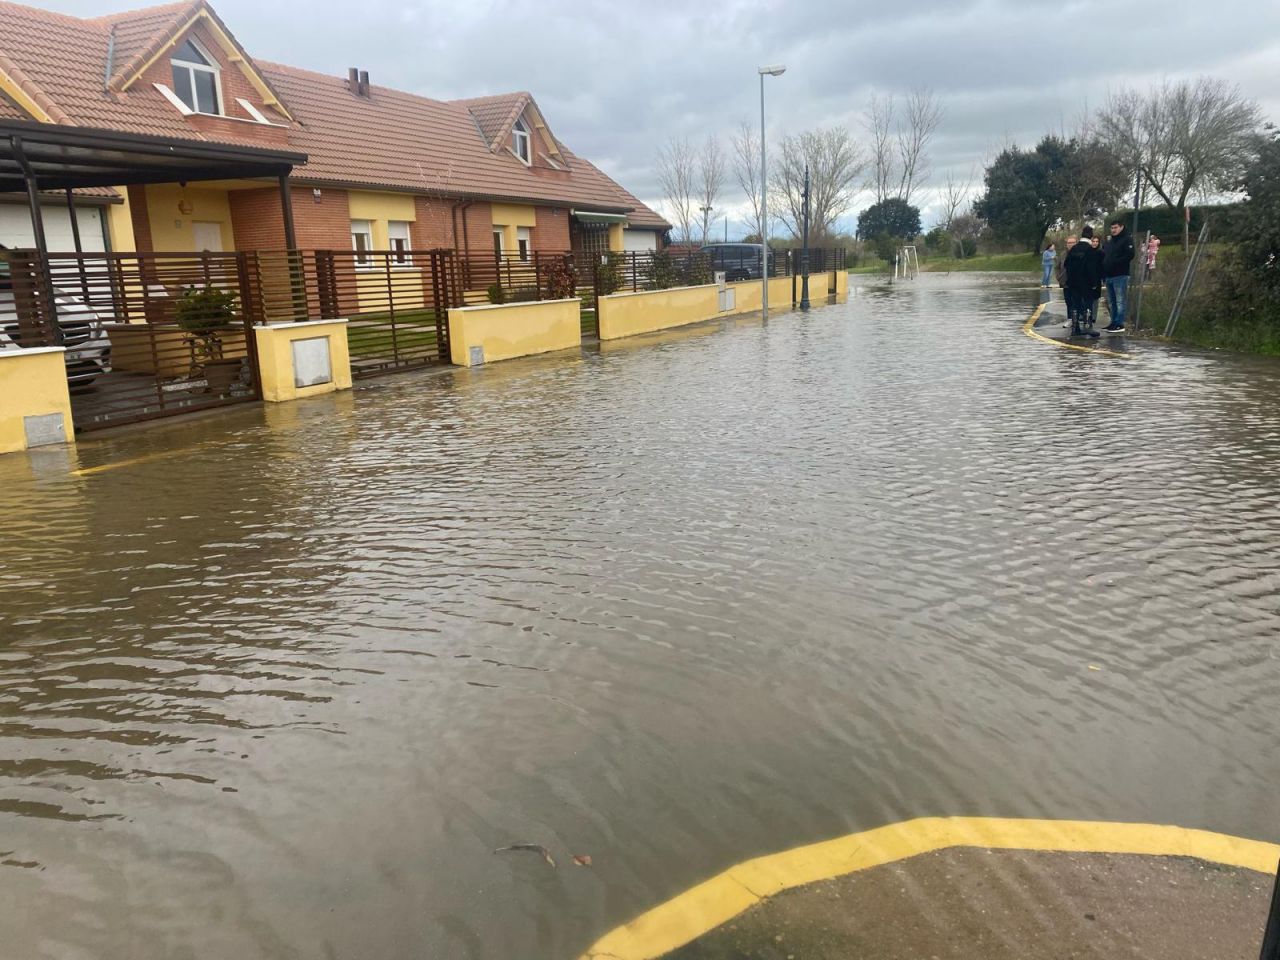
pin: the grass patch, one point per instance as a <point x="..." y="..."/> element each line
<point x="994" y="262"/>
<point x="1204" y="321"/>
<point x="998" y="262"/>
<point x="372" y="335"/>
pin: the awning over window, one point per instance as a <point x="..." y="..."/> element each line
<point x="592" y="216"/>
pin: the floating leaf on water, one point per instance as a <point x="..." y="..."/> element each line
<point x="582" y="859"/>
<point x="529" y="848"/>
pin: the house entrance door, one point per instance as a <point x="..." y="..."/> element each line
<point x="208" y="236"/>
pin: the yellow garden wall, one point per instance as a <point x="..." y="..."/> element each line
<point x="276" y="358"/>
<point x="508" y="330"/>
<point x="33" y="383"/>
<point x="629" y="314"/>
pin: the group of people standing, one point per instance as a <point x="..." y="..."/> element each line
<point x="1087" y="266"/>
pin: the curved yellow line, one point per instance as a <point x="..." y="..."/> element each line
<point x="1029" y="329"/>
<point x="718" y="900"/>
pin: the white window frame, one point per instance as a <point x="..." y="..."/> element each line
<point x="364" y="228"/>
<point x="500" y="241"/>
<point x="400" y="256"/>
<point x="216" y="70"/>
<point x="524" y="243"/>
<point x="520" y="132"/>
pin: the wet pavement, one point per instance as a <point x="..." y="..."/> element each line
<point x="963" y="903"/>
<point x="277" y="682"/>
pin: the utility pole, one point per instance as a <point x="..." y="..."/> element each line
<point x="804" y="252"/>
<point x="706" y="222"/>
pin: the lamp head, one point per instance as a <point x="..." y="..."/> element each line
<point x="776" y="70"/>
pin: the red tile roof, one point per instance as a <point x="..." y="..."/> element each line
<point x="390" y="139"/>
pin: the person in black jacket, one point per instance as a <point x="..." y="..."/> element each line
<point x="1083" y="267"/>
<point x="1117" y="255"/>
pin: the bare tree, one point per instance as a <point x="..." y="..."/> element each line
<point x="746" y="170"/>
<point x="676" y="173"/>
<point x="921" y="116"/>
<point x="1189" y="138"/>
<point x="955" y="197"/>
<point x="878" y="121"/>
<point x="835" y="166"/>
<point x="710" y="180"/>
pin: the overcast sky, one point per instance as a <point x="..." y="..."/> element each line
<point x="616" y="80"/>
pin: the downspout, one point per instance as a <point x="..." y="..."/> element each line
<point x="462" y="205"/>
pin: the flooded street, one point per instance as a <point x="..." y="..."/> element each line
<point x="277" y="683"/>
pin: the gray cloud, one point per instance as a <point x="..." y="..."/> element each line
<point x="616" y="80"/>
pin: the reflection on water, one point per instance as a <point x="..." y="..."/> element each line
<point x="281" y="693"/>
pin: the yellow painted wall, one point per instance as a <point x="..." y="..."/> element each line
<point x="378" y="208"/>
<point x="842" y="283"/>
<point x="509" y="216"/>
<point x="629" y="314"/>
<point x="616" y="231"/>
<point x="171" y="229"/>
<point x="514" y="329"/>
<point x="32" y="383"/>
<point x="120" y="224"/>
<point x="275" y="358"/>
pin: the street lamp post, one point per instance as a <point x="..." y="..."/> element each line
<point x="776" y="70"/>
<point x="706" y="221"/>
<point x="804" y="254"/>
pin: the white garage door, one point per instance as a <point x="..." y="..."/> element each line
<point x="639" y="240"/>
<point x="15" y="228"/>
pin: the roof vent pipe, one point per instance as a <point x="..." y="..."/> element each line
<point x="364" y="83"/>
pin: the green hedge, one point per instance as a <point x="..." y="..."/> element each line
<point x="1166" y="223"/>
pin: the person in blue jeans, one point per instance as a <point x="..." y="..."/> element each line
<point x="1117" y="256"/>
<point x="1046" y="261"/>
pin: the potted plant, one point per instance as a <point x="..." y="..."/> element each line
<point x="205" y="314"/>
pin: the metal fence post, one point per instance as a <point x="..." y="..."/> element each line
<point x="249" y="312"/>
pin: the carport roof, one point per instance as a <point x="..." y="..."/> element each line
<point x="64" y="157"/>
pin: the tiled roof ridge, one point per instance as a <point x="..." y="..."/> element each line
<point x="490" y="97"/>
<point x="107" y="19"/>
<point x="65" y="18"/>
<point x="32" y="90"/>
<point x="182" y="12"/>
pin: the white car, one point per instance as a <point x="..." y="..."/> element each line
<point x="88" y="353"/>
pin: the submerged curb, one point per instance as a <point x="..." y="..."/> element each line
<point x="1029" y="329"/>
<point x="713" y="902"/>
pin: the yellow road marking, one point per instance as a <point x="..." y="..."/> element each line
<point x="1029" y="329"/>
<point x="718" y="900"/>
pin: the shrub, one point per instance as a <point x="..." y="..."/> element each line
<point x="609" y="273"/>
<point x="562" y="279"/>
<point x="496" y="293"/>
<point x="522" y="295"/>
<point x="664" y="271"/>
<point x="202" y="310"/>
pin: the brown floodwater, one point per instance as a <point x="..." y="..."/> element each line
<point x="277" y="683"/>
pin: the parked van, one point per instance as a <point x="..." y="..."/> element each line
<point x="88" y="353"/>
<point x="739" y="261"/>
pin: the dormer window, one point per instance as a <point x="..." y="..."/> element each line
<point x="521" y="143"/>
<point x="195" y="78"/>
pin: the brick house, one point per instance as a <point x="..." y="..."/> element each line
<point x="386" y="169"/>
